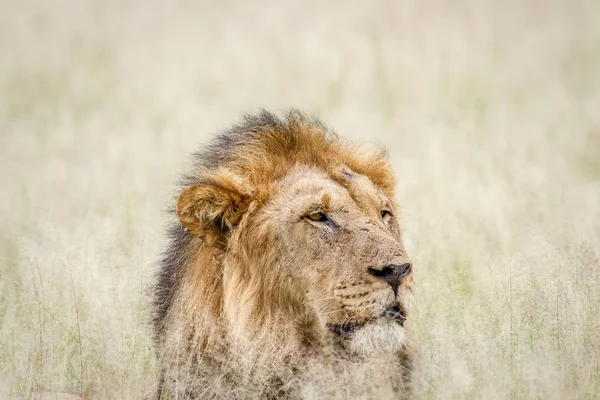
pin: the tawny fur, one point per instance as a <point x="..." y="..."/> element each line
<point x="252" y="284"/>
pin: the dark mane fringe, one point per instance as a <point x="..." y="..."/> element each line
<point x="249" y="129"/>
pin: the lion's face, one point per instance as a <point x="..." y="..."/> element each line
<point x="339" y="250"/>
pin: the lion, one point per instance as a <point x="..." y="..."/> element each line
<point x="285" y="273"/>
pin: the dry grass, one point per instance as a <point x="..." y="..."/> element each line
<point x="490" y="111"/>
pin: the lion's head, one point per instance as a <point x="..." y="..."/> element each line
<point x="287" y="238"/>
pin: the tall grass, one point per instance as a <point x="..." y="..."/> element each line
<point x="490" y="112"/>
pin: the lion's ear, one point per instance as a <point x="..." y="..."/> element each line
<point x="212" y="207"/>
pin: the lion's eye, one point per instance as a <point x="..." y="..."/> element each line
<point x="385" y="215"/>
<point x="317" y="216"/>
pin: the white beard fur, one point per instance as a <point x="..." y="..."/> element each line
<point x="379" y="337"/>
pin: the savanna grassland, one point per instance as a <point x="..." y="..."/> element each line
<point x="490" y="111"/>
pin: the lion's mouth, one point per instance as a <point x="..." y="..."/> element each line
<point x="393" y="313"/>
<point x="345" y="329"/>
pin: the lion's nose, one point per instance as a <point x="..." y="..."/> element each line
<point x="392" y="273"/>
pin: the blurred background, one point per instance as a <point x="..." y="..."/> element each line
<point x="490" y="111"/>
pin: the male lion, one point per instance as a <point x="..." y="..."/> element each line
<point x="286" y="275"/>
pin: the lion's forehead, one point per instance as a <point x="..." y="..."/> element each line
<point x="344" y="186"/>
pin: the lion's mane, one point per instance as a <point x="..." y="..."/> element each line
<point x="197" y="355"/>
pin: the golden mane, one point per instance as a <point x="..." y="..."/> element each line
<point x="232" y="178"/>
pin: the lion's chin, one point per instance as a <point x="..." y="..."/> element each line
<point x="381" y="336"/>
